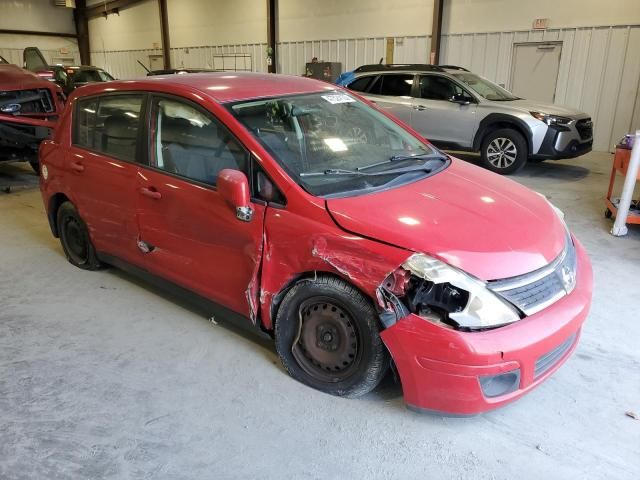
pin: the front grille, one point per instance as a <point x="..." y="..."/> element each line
<point x="585" y="128"/>
<point x="537" y="290"/>
<point x="549" y="359"/>
<point x="30" y="101"/>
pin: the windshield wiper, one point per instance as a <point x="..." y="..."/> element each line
<point x="400" y="158"/>
<point x="332" y="171"/>
<point x="338" y="171"/>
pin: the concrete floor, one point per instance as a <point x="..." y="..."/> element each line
<point x="104" y="377"/>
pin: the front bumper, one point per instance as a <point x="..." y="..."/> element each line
<point x="564" y="142"/>
<point x="22" y="135"/>
<point x="441" y="369"/>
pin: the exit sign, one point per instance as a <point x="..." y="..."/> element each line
<point x="540" y="23"/>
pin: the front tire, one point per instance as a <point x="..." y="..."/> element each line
<point x="327" y="337"/>
<point x="75" y="240"/>
<point x="504" y="151"/>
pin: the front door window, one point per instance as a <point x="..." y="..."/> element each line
<point x="192" y="144"/>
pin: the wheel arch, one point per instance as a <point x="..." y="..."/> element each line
<point x="495" y="121"/>
<point x="55" y="201"/>
<point x="309" y="276"/>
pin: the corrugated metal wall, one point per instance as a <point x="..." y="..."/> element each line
<point x="599" y="70"/>
<point x="14" y="55"/>
<point x="599" y="67"/>
<point x="124" y="64"/>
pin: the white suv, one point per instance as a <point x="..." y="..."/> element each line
<point x="459" y="110"/>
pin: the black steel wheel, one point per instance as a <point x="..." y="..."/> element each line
<point x="327" y="337"/>
<point x="328" y="341"/>
<point x="75" y="239"/>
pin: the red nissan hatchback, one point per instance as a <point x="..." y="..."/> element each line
<point x="304" y="211"/>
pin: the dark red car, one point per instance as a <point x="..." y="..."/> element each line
<point x="300" y="209"/>
<point x="29" y="108"/>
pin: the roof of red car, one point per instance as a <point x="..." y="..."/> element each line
<point x="223" y="86"/>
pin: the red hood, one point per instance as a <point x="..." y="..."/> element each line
<point x="487" y="225"/>
<point x="13" y="77"/>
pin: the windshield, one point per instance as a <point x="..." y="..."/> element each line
<point x="484" y="87"/>
<point x="334" y="145"/>
<point x="89" y="76"/>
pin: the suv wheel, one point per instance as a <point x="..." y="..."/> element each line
<point x="504" y="151"/>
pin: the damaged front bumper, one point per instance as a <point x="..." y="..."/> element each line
<point x="466" y="373"/>
<point x="21" y="133"/>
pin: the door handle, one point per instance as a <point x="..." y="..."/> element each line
<point x="419" y="107"/>
<point x="151" y="193"/>
<point x="77" y="167"/>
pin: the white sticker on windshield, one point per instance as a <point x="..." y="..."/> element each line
<point x="335" y="98"/>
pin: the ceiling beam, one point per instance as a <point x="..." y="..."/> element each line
<point x="112" y="6"/>
<point x="35" y="32"/>
<point x="436" y="32"/>
<point x="164" y="33"/>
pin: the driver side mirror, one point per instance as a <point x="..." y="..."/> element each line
<point x="234" y="188"/>
<point x="461" y="99"/>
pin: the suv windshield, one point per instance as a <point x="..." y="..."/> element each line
<point x="332" y="144"/>
<point x="484" y="87"/>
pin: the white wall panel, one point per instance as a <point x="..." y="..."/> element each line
<point x="35" y="15"/>
<point x="599" y="67"/>
<point x="599" y="70"/>
<point x="11" y="47"/>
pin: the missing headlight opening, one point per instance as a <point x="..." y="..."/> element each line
<point x="443" y="295"/>
<point x="405" y="293"/>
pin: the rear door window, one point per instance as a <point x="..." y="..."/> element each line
<point x="110" y="125"/>
<point x="396" y="85"/>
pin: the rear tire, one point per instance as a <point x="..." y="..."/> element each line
<point x="504" y="151"/>
<point x="75" y="240"/>
<point x="327" y="337"/>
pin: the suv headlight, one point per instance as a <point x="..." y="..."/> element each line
<point x="551" y="119"/>
<point x="444" y="295"/>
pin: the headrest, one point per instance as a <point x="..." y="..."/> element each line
<point x="121" y="126"/>
<point x="181" y="131"/>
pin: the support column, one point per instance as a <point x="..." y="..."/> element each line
<point x="82" y="31"/>
<point x="436" y="31"/>
<point x="164" y="33"/>
<point x="272" y="29"/>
